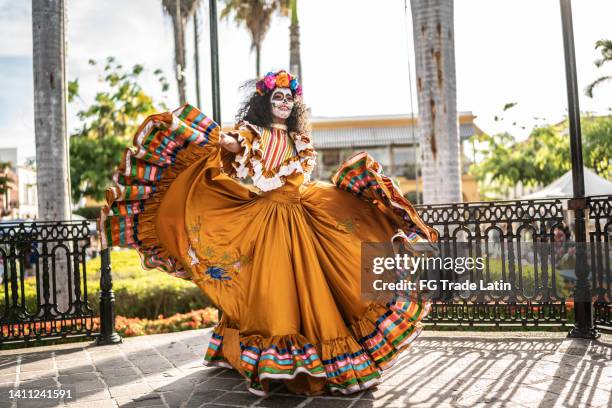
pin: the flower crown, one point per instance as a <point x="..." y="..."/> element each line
<point x="279" y="79"/>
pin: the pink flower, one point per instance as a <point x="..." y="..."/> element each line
<point x="270" y="81"/>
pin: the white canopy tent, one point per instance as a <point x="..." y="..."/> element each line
<point x="564" y="187"/>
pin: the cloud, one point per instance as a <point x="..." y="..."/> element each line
<point x="16" y="106"/>
<point x="15" y="28"/>
<point x="355" y="56"/>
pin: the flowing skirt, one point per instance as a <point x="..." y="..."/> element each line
<point x="283" y="266"/>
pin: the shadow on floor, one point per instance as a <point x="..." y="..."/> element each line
<point x="435" y="371"/>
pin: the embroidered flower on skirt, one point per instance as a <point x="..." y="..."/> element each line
<point x="216" y="272"/>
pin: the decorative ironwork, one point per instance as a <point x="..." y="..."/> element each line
<point x="52" y="250"/>
<point x="48" y="257"/>
<point x="600" y="213"/>
<point x="538" y="299"/>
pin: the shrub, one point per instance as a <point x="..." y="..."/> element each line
<point x="89" y="213"/>
<point x="138" y="293"/>
<point x="148" y="297"/>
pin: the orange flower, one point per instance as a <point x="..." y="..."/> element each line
<point x="282" y="80"/>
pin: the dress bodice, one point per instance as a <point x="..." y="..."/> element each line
<point x="270" y="155"/>
<point x="277" y="147"/>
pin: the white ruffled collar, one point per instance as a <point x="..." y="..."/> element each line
<point x="305" y="163"/>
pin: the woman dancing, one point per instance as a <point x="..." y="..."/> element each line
<point x="279" y="256"/>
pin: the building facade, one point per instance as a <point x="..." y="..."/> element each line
<point x="392" y="140"/>
<point x="20" y="200"/>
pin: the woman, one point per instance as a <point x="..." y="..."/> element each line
<point x="280" y="257"/>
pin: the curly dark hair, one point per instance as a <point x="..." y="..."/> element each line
<point x="256" y="109"/>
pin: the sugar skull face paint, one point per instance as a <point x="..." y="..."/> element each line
<point x="282" y="102"/>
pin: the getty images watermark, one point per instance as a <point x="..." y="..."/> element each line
<point x="472" y="270"/>
<point x="411" y="264"/>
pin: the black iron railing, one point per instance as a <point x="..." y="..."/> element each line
<point x="508" y="225"/>
<point x="44" y="281"/>
<point x="52" y="258"/>
<point x="543" y="296"/>
<point x="600" y="214"/>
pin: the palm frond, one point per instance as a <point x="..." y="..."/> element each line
<point x="188" y="8"/>
<point x="255" y="15"/>
<point x="589" y="89"/>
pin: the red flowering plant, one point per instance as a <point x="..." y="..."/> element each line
<point x="125" y="326"/>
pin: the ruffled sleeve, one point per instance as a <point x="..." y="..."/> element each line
<point x="306" y="153"/>
<point x="238" y="165"/>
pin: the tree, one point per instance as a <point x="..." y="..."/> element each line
<point x="53" y="177"/>
<point x="606" y="56"/>
<point x="437" y="98"/>
<point x="52" y="161"/>
<point x="180" y="11"/>
<point x="295" y="63"/>
<point x="540" y="159"/>
<point x="597" y="144"/>
<point x="544" y="156"/>
<point x="108" y="125"/>
<point x="256" y="16"/>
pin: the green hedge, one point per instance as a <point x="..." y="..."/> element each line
<point x="138" y="293"/>
<point x="155" y="295"/>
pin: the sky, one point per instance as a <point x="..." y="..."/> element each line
<point x="356" y="58"/>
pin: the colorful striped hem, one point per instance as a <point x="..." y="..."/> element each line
<point x="283" y="376"/>
<point x="386" y="330"/>
<point x="351" y="389"/>
<point x="347" y="366"/>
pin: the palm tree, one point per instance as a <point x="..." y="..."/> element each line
<point x="606" y="56"/>
<point x="53" y="177"/>
<point x="436" y="90"/>
<point x="52" y="157"/>
<point x="180" y="11"/>
<point x="256" y="15"/>
<point x="295" y="64"/>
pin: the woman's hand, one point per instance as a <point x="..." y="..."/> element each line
<point x="229" y="143"/>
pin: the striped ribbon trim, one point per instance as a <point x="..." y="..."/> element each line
<point x="156" y="145"/>
<point x="394" y="331"/>
<point x="364" y="177"/>
<point x="346" y="373"/>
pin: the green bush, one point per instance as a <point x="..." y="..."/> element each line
<point x="138" y="293"/>
<point x="90" y="213"/>
<point x="148" y="297"/>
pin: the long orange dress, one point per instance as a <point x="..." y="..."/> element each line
<point x="280" y="257"/>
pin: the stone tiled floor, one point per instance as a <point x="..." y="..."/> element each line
<point x="442" y="369"/>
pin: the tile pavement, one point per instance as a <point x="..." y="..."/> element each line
<point x="442" y="369"/>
